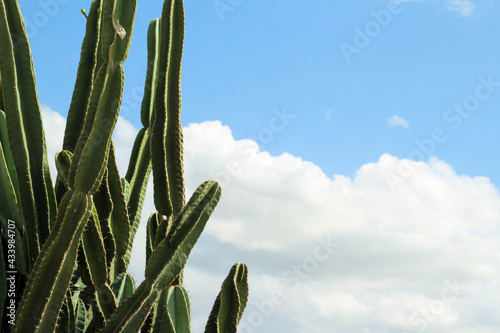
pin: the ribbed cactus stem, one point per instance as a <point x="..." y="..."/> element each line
<point x="75" y="256"/>
<point x="42" y="301"/>
<point x="25" y="130"/>
<point x="167" y="260"/>
<point x="166" y="135"/>
<point x="231" y="301"/>
<point x="139" y="169"/>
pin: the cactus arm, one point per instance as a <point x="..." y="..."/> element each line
<point x="94" y="155"/>
<point x="41" y="300"/>
<point x="63" y="163"/>
<point x="167" y="260"/>
<point x="134" y="154"/>
<point x="174" y="139"/>
<point x="123" y="287"/>
<point x="138" y="188"/>
<point x="9" y="210"/>
<point x="95" y="257"/>
<point x="9" y="160"/>
<point x="159" y="314"/>
<point x="139" y="169"/>
<point x="8" y="200"/>
<point x="166" y="134"/>
<point x="230" y="303"/>
<point x="107" y="31"/>
<point x="178" y="311"/>
<point x="88" y="124"/>
<point x="84" y="78"/>
<point x="24" y="125"/>
<point x="119" y="222"/>
<point x="131" y="314"/>
<point x="185" y="231"/>
<point x="104" y="207"/>
<point x="152" y="227"/>
<point x="124" y="11"/>
<point x="147" y="106"/>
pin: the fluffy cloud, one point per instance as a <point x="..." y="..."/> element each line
<point x="400" y="246"/>
<point x="397" y="121"/>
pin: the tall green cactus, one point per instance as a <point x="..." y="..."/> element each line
<point x="73" y="242"/>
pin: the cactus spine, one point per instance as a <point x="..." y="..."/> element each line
<point x="74" y="241"/>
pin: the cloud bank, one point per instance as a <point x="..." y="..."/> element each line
<point x="341" y="253"/>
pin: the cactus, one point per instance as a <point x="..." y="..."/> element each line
<point x="73" y="240"/>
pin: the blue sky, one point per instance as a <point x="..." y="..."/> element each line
<point x="270" y="56"/>
<point x="273" y="56"/>
<point x="410" y="67"/>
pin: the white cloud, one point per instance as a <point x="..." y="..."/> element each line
<point x="463" y="7"/>
<point x="123" y="137"/>
<point x="422" y="254"/>
<point x="53" y="125"/>
<point x="398" y="244"/>
<point x="397" y="121"/>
